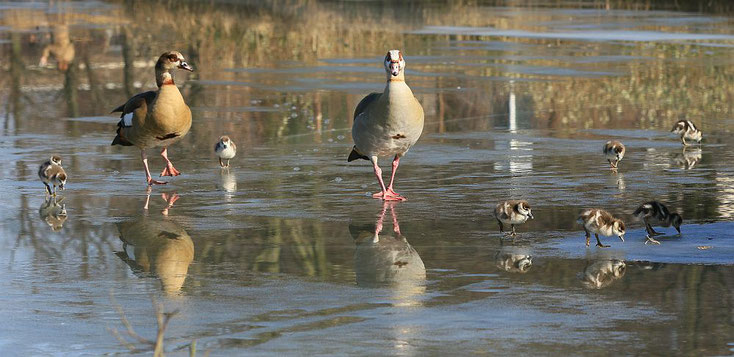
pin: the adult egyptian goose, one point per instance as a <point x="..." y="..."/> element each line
<point x="387" y="123"/>
<point x="156" y="118"/>
<point x="51" y="173"/>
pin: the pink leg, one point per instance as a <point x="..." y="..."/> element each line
<point x="169" y="170"/>
<point x="395" y="163"/>
<point x="395" y="224"/>
<point x="148" y="178"/>
<point x="170" y="200"/>
<point x="385" y="193"/>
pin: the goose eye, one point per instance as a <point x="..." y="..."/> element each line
<point x="172" y="58"/>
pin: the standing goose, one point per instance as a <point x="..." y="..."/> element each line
<point x="156" y="118"/>
<point x="387" y="124"/>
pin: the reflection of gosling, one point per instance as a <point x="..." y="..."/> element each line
<point x="599" y="221"/>
<point x="614" y="152"/>
<point x="512" y="212"/>
<point x="62" y="49"/>
<point x="660" y="215"/>
<point x="162" y="248"/>
<point x="53" y="212"/>
<point x="688" y="158"/>
<point x="687" y="130"/>
<point x="602" y="273"/>
<point x="51" y="173"/>
<point x="225" y="149"/>
<point x="513" y="263"/>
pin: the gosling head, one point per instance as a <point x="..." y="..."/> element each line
<point x="524" y="209"/>
<point x="60" y="178"/>
<point x="618" y="229"/>
<point x="676" y="221"/>
<point x="56" y="160"/>
<point x="224" y="140"/>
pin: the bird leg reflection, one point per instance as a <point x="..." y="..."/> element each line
<point x="170" y="199"/>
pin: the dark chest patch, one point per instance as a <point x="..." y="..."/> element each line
<point x="398" y="136"/>
<point x="167" y="136"/>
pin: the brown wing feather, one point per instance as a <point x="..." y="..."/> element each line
<point x="138" y="105"/>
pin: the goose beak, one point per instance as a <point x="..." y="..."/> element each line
<point x="185" y="65"/>
<point x="395" y="68"/>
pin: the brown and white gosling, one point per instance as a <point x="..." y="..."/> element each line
<point x="599" y="221"/>
<point x="687" y="130"/>
<point x="512" y="212"/>
<point x="614" y="152"/>
<point x="51" y="173"/>
<point x="657" y="212"/>
<point x="225" y="149"/>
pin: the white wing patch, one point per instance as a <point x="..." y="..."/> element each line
<point x="127" y="119"/>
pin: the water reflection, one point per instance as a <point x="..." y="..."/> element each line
<point x="513" y="259"/>
<point x="601" y="273"/>
<point x="688" y="157"/>
<point x="61" y="48"/>
<point x="384" y="258"/>
<point x="227" y="183"/>
<point x="53" y="212"/>
<point x="157" y="246"/>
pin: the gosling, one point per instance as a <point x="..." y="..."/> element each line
<point x="225" y="149"/>
<point x="659" y="214"/>
<point x="687" y="130"/>
<point x="599" y="221"/>
<point x="512" y="212"/>
<point x="614" y="152"/>
<point x="51" y="173"/>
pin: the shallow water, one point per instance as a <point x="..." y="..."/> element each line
<point x="280" y="254"/>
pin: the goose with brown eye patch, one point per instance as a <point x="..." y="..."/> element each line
<point x="156" y="118"/>
<point x="512" y="212"/>
<point x="387" y="124"/>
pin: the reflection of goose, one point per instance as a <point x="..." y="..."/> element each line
<point x="53" y="212"/>
<point x="688" y="158"/>
<point x="387" y="259"/>
<point x="160" y="247"/>
<point x="61" y="48"/>
<point x="602" y="273"/>
<point x="513" y="260"/>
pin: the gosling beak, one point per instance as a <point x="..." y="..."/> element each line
<point x="61" y="186"/>
<point x="185" y="65"/>
<point x="530" y="214"/>
<point x="622" y="237"/>
<point x="677" y="229"/>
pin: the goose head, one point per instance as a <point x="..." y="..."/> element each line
<point x="394" y="64"/>
<point x="172" y="60"/>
